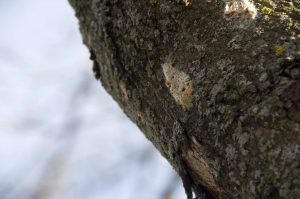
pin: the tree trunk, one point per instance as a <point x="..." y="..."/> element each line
<point x="214" y="85"/>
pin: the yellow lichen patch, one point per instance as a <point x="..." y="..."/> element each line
<point x="152" y="2"/>
<point x="297" y="25"/>
<point x="266" y="10"/>
<point x="280" y="50"/>
<point x="186" y="2"/>
<point x="179" y="84"/>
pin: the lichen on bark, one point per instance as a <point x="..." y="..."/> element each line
<point x="241" y="116"/>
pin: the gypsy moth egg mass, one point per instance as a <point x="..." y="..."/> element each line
<point x="179" y="84"/>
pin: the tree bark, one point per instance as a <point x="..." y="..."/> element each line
<point x="213" y="85"/>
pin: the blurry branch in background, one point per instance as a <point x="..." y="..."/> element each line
<point x="54" y="171"/>
<point x="171" y="188"/>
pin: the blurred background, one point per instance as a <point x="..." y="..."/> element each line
<point x="61" y="135"/>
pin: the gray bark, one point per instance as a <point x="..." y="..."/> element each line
<point x="213" y="85"/>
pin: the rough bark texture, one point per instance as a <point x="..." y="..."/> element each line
<point x="214" y="85"/>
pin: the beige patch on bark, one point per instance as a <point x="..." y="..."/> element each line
<point x="179" y="84"/>
<point x="195" y="159"/>
<point x="139" y="117"/>
<point x="243" y="9"/>
<point x="124" y="91"/>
